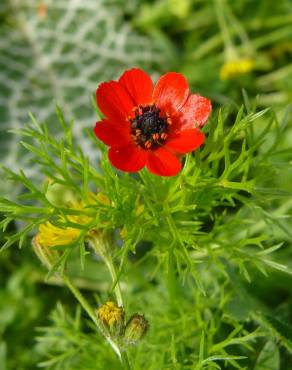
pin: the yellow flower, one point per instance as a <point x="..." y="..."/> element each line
<point x="50" y="235"/>
<point x="111" y="317"/>
<point x="236" y="67"/>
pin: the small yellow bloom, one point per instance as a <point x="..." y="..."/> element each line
<point x="236" y="68"/>
<point x="112" y="318"/>
<point x="50" y="235"/>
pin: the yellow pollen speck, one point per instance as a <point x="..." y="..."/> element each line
<point x="236" y="68"/>
<point x="42" y="10"/>
<point x="148" y="144"/>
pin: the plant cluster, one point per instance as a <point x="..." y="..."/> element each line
<point x="120" y="270"/>
<point x="185" y="251"/>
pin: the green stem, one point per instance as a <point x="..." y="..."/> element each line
<point x="109" y="263"/>
<point x="229" y="47"/>
<point x="89" y="310"/>
<point x="102" y="248"/>
<point x="125" y="361"/>
<point x="238" y="28"/>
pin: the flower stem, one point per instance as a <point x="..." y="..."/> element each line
<point x="117" y="289"/>
<point x="110" y="265"/>
<point x="89" y="310"/>
<point x="229" y="47"/>
<point x="101" y="247"/>
<point x="125" y="361"/>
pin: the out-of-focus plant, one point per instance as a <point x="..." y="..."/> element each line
<point x="225" y="45"/>
<point x="58" y="51"/>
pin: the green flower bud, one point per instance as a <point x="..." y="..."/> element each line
<point x="136" y="328"/>
<point x="59" y="195"/>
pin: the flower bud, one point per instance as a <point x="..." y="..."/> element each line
<point x="46" y="255"/>
<point x="59" y="195"/>
<point x="100" y="242"/>
<point x="111" y="317"/>
<point x="136" y="328"/>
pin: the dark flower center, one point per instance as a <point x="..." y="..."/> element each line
<point x="148" y="128"/>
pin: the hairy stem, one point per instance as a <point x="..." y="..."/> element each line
<point x="89" y="310"/>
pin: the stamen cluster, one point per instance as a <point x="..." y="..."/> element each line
<point x="148" y="127"/>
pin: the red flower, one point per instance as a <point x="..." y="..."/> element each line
<point x="148" y="125"/>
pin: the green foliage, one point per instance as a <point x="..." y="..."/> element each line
<point x="65" y="346"/>
<point x="268" y="358"/>
<point x="205" y="256"/>
<point x="282" y="330"/>
<point x="195" y="242"/>
<point x="210" y="33"/>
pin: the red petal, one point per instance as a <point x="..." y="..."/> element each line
<point x="171" y="92"/>
<point x="114" y="101"/>
<point x="186" y="141"/>
<point x="163" y="163"/>
<point x="138" y="85"/>
<point x="113" y="134"/>
<point x="194" y="113"/>
<point x="129" y="158"/>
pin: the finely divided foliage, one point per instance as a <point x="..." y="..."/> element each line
<point x="201" y="239"/>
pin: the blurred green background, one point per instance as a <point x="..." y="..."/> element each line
<point x="57" y="51"/>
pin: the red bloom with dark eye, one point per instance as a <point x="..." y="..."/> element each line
<point x="148" y="125"/>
